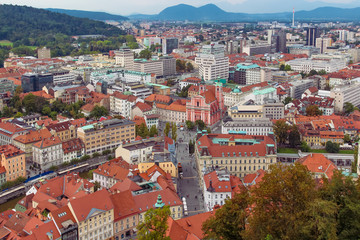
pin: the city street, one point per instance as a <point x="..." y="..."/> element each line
<point x="189" y="185"/>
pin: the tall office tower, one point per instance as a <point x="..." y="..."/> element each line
<point x="270" y="35"/>
<point x="212" y="62"/>
<point x="125" y="58"/>
<point x="169" y="44"/>
<point x="311" y="35"/>
<point x="323" y="44"/>
<point x="281" y="42"/>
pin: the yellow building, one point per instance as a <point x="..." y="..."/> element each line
<point x="106" y="135"/>
<point x="26" y="141"/>
<point x="168" y="167"/>
<point x="64" y="130"/>
<point x="246" y="111"/>
<point x="13" y="160"/>
<point x="239" y="154"/>
<point x="94" y="214"/>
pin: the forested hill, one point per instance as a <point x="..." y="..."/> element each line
<point x="19" y="22"/>
<point x="101" y="16"/>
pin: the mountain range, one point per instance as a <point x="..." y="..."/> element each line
<point x="212" y="13"/>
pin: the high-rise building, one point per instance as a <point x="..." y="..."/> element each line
<point x="169" y="44"/>
<point x="323" y="44"/>
<point x="212" y="62"/>
<point x="169" y="65"/>
<point x="44" y="53"/>
<point x="125" y="58"/>
<point x="281" y="42"/>
<point x="31" y="82"/>
<point x="270" y="35"/>
<point x="311" y="35"/>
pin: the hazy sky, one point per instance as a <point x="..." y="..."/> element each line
<point x="126" y="7"/>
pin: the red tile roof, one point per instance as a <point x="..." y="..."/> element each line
<point x="10" y="151"/>
<point x="318" y="163"/>
<point x="48" y="142"/>
<point x="73" y="145"/>
<point x="33" y="136"/>
<point x="143" y="106"/>
<point x="9" y="129"/>
<point x="98" y="200"/>
<point x="193" y="224"/>
<point x="124" y="205"/>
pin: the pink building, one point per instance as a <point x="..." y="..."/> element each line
<point x="207" y="105"/>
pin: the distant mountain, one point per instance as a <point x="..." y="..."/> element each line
<point x="21" y="22"/>
<point x="101" y="16"/>
<point x="212" y="13"/>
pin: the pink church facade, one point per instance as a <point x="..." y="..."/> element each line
<point x="207" y="106"/>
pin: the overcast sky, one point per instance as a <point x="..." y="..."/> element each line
<point x="126" y="7"/>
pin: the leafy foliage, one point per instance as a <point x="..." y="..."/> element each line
<point x="98" y="112"/>
<point x="313" y="110"/>
<point x="294" y="136"/>
<point x="332" y="147"/>
<point x="281" y="131"/>
<point x="155" y="224"/>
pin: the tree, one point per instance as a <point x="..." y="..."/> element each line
<point x="173" y="132"/>
<point x="189" y="124"/>
<point x="282" y="67"/>
<point x="294" y="136"/>
<point x="153" y="131"/>
<point x="347" y="138"/>
<point x="345" y="194"/>
<point x="98" y="112"/>
<point x="312" y="73"/>
<point x="287" y="100"/>
<point x="348" y="108"/>
<point x="322" y="72"/>
<point x="280" y="202"/>
<point x="191" y="147"/>
<point x="97" y="186"/>
<point x="180" y="65"/>
<point x="281" y="131"/>
<point x="313" y="110"/>
<point x="230" y="220"/>
<point x="154" y="225"/>
<point x="34" y="104"/>
<point x="167" y="129"/>
<point x="287" y="67"/>
<point x="146" y="53"/>
<point x="200" y="124"/>
<point x="332" y="147"/>
<point x="142" y="131"/>
<point x="304" y="147"/>
<point x="18" y="115"/>
<point x="189" y="67"/>
<point x="46" y="111"/>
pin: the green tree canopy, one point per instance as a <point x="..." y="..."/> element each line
<point x="146" y="53"/>
<point x="98" y="112"/>
<point x="313" y="110"/>
<point x="281" y="131"/>
<point x="332" y="147"/>
<point x="294" y="136"/>
<point x="154" y="225"/>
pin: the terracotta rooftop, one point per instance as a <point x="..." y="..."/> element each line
<point x="10" y="151"/>
<point x="48" y="142"/>
<point x="84" y="206"/>
<point x="318" y="163"/>
<point x="73" y="145"/>
<point x="33" y="136"/>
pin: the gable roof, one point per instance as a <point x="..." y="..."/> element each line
<point x="98" y="201"/>
<point x="318" y="163"/>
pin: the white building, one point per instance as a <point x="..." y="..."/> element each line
<point x="48" y="153"/>
<point x="122" y="104"/>
<point x="61" y="77"/>
<point x="248" y="126"/>
<point x="345" y="93"/>
<point x="189" y="81"/>
<point x="306" y="64"/>
<point x="136" y="152"/>
<point x="217" y="188"/>
<point x="190" y="39"/>
<point x="323" y="44"/>
<point x="149" y="66"/>
<point x="125" y="58"/>
<point x="73" y="149"/>
<point x="212" y="62"/>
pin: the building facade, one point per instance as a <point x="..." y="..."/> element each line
<point x="13" y="160"/>
<point x="106" y="135"/>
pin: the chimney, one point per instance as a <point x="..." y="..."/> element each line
<point x="48" y="190"/>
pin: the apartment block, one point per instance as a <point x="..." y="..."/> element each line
<point x="106" y="135"/>
<point x="13" y="160"/>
